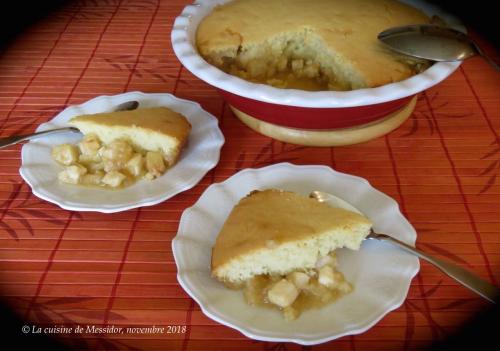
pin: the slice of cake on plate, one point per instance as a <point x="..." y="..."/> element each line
<point x="279" y="246"/>
<point x="119" y="148"/>
<point x="148" y="129"/>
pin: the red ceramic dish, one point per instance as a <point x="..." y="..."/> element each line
<point x="322" y="110"/>
<point x="313" y="117"/>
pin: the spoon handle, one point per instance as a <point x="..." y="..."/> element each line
<point x="464" y="277"/>
<point x="486" y="57"/>
<point x="14" y="139"/>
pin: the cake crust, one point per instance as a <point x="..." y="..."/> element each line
<point x="337" y="37"/>
<point x="295" y="229"/>
<point x="154" y="119"/>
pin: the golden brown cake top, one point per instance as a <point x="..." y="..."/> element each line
<point x="348" y="28"/>
<point x="266" y="219"/>
<point x="157" y="119"/>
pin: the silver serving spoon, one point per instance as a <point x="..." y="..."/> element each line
<point x="464" y="277"/>
<point x="14" y="139"/>
<point x="432" y="42"/>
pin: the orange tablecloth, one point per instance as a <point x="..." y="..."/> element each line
<point x="66" y="268"/>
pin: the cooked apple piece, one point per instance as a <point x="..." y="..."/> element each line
<point x="155" y="165"/>
<point x="116" y="155"/>
<point x="72" y="174"/>
<point x="254" y="289"/>
<point x="330" y="260"/>
<point x="256" y="68"/>
<point x="94" y="167"/>
<point x="290" y="313"/>
<point x="90" y="145"/>
<point x="114" y="179"/>
<point x="344" y="286"/>
<point x="149" y="176"/>
<point x="135" y="165"/>
<point x="311" y="70"/>
<point x="299" y="279"/>
<point x="93" y="178"/>
<point x="88" y="160"/>
<point x="334" y="279"/>
<point x="65" y="154"/>
<point x="283" y="293"/>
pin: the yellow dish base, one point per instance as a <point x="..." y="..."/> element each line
<point x="330" y="137"/>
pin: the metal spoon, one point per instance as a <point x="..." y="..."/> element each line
<point x="432" y="42"/>
<point x="14" y="139"/>
<point x="464" y="277"/>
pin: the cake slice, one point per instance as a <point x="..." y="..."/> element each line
<point x="275" y="233"/>
<point x="156" y="129"/>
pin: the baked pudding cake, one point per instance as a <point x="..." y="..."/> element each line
<point x="308" y="44"/>
<point x="121" y="147"/>
<point x="279" y="247"/>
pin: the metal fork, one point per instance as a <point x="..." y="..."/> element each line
<point x="14" y="139"/>
<point x="463" y="276"/>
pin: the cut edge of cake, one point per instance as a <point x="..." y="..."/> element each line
<point x="142" y="139"/>
<point x="296" y="255"/>
<point x="300" y="51"/>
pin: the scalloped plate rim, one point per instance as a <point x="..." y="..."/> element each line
<point x="212" y="312"/>
<point x="58" y="120"/>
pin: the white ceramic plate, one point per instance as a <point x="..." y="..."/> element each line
<point x="201" y="154"/>
<point x="380" y="273"/>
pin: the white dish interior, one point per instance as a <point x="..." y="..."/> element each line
<point x="380" y="273"/>
<point x="183" y="42"/>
